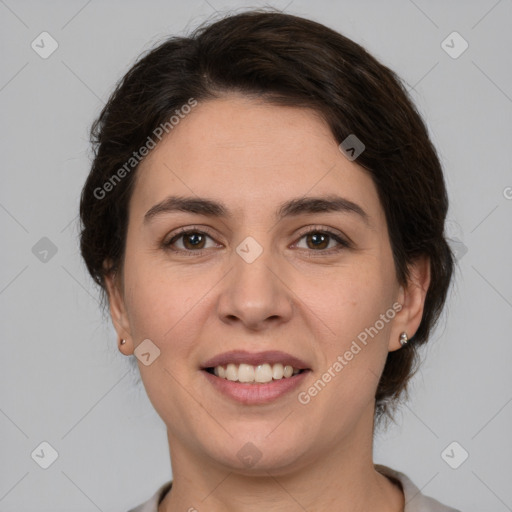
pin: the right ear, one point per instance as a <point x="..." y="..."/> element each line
<point x="117" y="307"/>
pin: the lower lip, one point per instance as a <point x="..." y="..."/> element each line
<point x="256" y="393"/>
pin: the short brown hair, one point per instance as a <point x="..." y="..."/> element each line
<point x="286" y="60"/>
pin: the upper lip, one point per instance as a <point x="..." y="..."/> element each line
<point x="255" y="358"/>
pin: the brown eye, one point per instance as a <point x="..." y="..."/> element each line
<point x="193" y="241"/>
<point x="190" y="240"/>
<point x="319" y="240"/>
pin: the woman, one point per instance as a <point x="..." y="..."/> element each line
<point x="265" y="214"/>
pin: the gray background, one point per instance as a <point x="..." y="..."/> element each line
<point x="62" y="379"/>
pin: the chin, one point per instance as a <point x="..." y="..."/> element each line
<point x="260" y="456"/>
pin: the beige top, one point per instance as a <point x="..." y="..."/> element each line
<point x="415" y="501"/>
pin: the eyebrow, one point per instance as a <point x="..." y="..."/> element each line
<point x="291" y="208"/>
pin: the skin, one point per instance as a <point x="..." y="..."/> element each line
<point x="309" y="302"/>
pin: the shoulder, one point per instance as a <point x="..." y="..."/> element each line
<point x="152" y="504"/>
<point x="415" y="500"/>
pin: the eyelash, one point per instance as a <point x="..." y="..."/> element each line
<point x="167" y="245"/>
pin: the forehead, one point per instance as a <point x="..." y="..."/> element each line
<point x="253" y="155"/>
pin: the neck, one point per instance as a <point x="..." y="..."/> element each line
<point x="343" y="479"/>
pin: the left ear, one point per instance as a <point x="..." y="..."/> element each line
<point x="412" y="298"/>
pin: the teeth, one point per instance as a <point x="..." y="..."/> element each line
<point x="277" y="371"/>
<point x="248" y="373"/>
<point x="231" y="372"/>
<point x="263" y="373"/>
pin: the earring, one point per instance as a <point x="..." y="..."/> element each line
<point x="403" y="339"/>
<point x="123" y="342"/>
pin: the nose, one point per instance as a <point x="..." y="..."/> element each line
<point x="256" y="295"/>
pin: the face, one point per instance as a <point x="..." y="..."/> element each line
<point x="262" y="278"/>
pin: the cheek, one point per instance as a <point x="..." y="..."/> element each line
<point x="167" y="304"/>
<point x="166" y="308"/>
<point x="155" y="303"/>
<point x="348" y="299"/>
<point x="355" y="303"/>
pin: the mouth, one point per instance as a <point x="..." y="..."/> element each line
<point x="250" y="374"/>
<point x="255" y="378"/>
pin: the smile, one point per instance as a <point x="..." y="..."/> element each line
<point x="249" y="373"/>
<point x="254" y="378"/>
